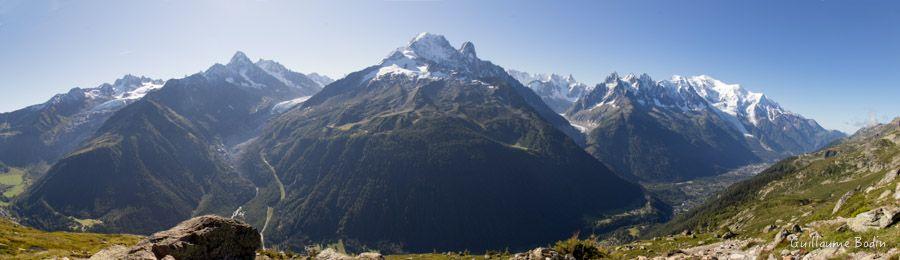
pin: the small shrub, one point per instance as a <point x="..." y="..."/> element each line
<point x="579" y="248"/>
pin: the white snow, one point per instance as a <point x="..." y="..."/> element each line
<point x="736" y="103"/>
<point x="140" y="92"/>
<point x="281" y="107"/>
<point x="416" y="58"/>
<point x="276" y="70"/>
<point x="249" y="82"/>
<point x="127" y="97"/>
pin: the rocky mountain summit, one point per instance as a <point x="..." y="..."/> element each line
<point x="559" y="92"/>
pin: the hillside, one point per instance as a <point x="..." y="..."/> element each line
<point x="19" y="242"/>
<point x="846" y="191"/>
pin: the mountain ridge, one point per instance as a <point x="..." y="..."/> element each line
<point x="165" y="157"/>
<point x="710" y="118"/>
<point x="429" y="133"/>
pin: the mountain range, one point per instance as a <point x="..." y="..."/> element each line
<point x="47" y="131"/>
<point x="678" y="129"/>
<point x="390" y="156"/>
<point x="432" y="148"/>
<point x="163" y="158"/>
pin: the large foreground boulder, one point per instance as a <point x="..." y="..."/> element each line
<point x="204" y="237"/>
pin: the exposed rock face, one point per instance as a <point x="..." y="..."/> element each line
<point x="541" y="253"/>
<point x="113" y="252"/>
<point x="897" y="192"/>
<point x="888" y="178"/>
<point x="840" y="202"/>
<point x="874" y="219"/>
<point x="331" y="254"/>
<point x="204" y="237"/>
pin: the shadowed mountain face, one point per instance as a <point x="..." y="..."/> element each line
<point x="163" y="158"/>
<point x="431" y="149"/>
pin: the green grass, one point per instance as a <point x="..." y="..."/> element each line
<point x="15" y="178"/>
<point x="18" y="242"/>
<point x="436" y="256"/>
<point x="797" y="190"/>
<point x="87" y="223"/>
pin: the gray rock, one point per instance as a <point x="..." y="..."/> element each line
<point x="769" y="228"/>
<point x="541" y="253"/>
<point x="204" y="237"/>
<point x="842" y="228"/>
<point x="779" y="237"/>
<point x="728" y="235"/>
<point x="815" y="234"/>
<point x="794" y="228"/>
<point x="113" y="252"/>
<point x="888" y="177"/>
<point x="897" y="192"/>
<point x="874" y="219"/>
<point x="841" y="201"/>
<point x="331" y="254"/>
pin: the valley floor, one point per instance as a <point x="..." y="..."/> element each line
<point x="684" y="196"/>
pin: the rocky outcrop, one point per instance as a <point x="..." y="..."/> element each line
<point x="897" y="192"/>
<point x="874" y="219"/>
<point x="204" y="237"/>
<point x="113" y="252"/>
<point x="840" y="202"/>
<point x="541" y="253"/>
<point x="331" y="254"/>
<point x="729" y="249"/>
<point x="888" y="178"/>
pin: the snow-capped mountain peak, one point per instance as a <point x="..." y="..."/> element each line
<point x="468" y="50"/>
<point x="432" y="47"/>
<point x="556" y="90"/>
<point x="731" y="98"/>
<point x="240" y="58"/>
<point x="430" y="56"/>
<point x="125" y="91"/>
<point x="752" y="114"/>
<point x="276" y="70"/>
<point x="322" y="80"/>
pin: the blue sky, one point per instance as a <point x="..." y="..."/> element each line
<point x="834" y="61"/>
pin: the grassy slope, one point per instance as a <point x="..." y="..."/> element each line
<point x="797" y="190"/>
<point x="18" y="242"/>
<point x="15" y="178"/>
